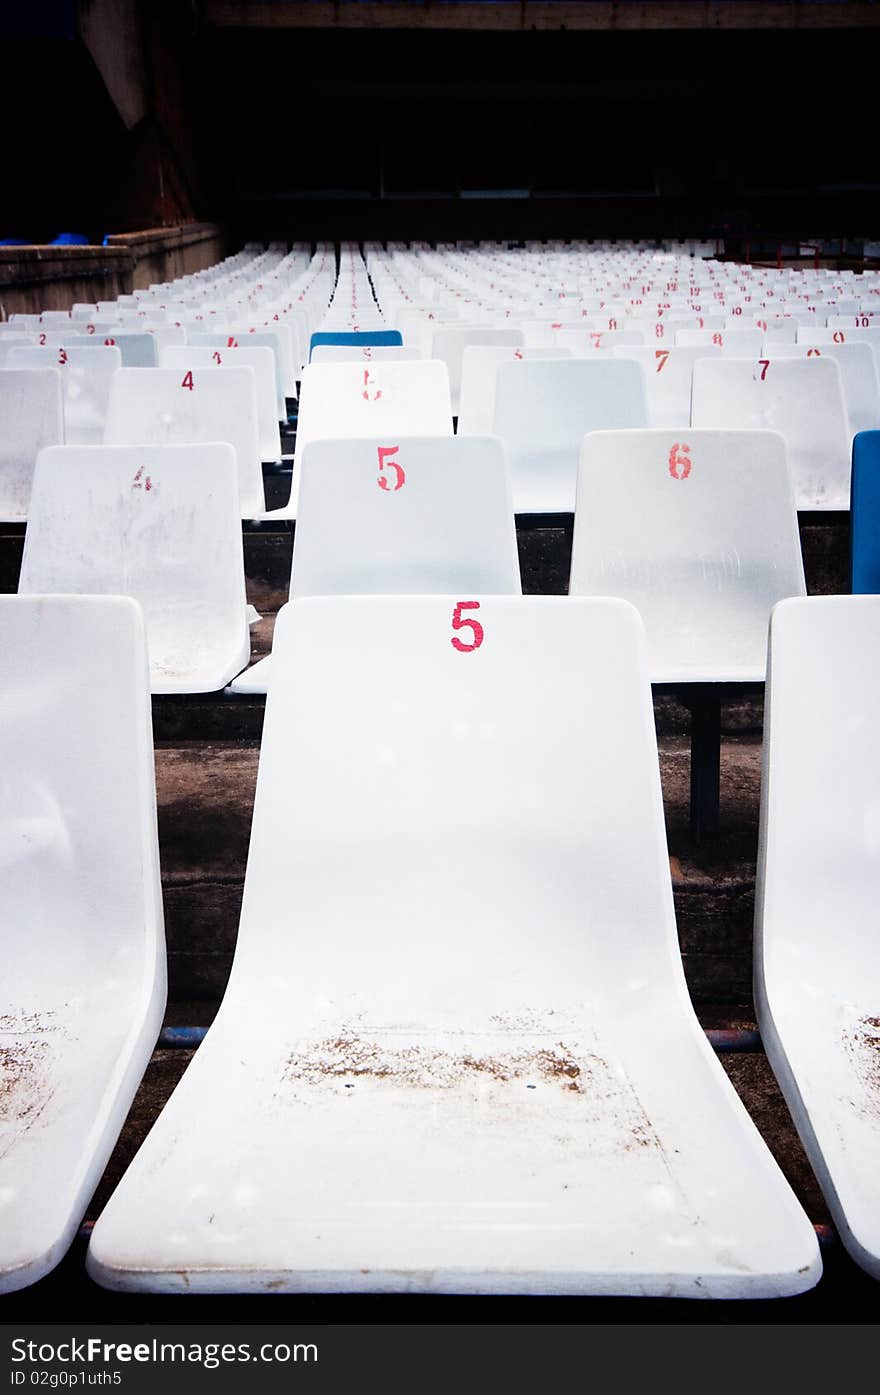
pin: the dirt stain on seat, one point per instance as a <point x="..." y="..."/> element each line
<point x="524" y="1061"/>
<point x="862" y="1045"/>
<point x="25" y="1089"/>
<point x="351" y="1056"/>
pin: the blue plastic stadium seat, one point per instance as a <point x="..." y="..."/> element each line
<point x="70" y="240"/>
<point x="375" y="337"/>
<point x="865" y="514"/>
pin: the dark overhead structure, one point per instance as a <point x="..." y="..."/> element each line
<point x="733" y="118"/>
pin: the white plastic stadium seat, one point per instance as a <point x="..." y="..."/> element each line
<point x="160" y="524"/>
<point x="669" y="376"/>
<point x="32" y="416"/>
<point x="733" y="343"/>
<point x="859" y="378"/>
<point x="378" y="401"/>
<point x="817" y="967"/>
<point x="470" y="1063"/>
<point x="802" y="399"/>
<point x="83" y="989"/>
<point x="450" y="341"/>
<point x="137" y="350"/>
<point x="86" y="381"/>
<point x="418" y="515"/>
<point x="698" y="530"/>
<point x="544" y="410"/>
<point x="167" y="406"/>
<point x="261" y="360"/>
<point x="350" y="353"/>
<point x="479" y="371"/>
<point x="268" y="339"/>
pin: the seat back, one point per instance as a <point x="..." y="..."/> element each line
<point x="801" y="399"/>
<point x="489" y="703"/>
<point x="261" y="360"/>
<point x="172" y="406"/>
<point x="137" y="350"/>
<point x="818" y="866"/>
<point x="698" y="530"/>
<point x="285" y="384"/>
<point x="669" y="376"/>
<point x="86" y="380"/>
<point x="733" y="343"/>
<point x="358" y="339"/>
<point x="865" y="517"/>
<point x="859" y="378"/>
<point x="350" y="400"/>
<point x="32" y="413"/>
<point x="160" y="524"/>
<point x="413" y="515"/>
<point x="450" y="341"/>
<point x="367" y="353"/>
<point x="543" y="410"/>
<point x="479" y="371"/>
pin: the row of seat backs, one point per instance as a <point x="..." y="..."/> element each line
<point x="542" y="410"/>
<point x="544" y="407"/>
<point x="804" y="399"/>
<point x="713" y="545"/>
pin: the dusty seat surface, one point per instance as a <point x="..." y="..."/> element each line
<point x="449" y="1085"/>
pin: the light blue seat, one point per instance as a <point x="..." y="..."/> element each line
<point x="361" y="339"/>
<point x="865" y="514"/>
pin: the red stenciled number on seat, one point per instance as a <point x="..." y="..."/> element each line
<point x="188" y="380"/>
<point x="140" y="483"/>
<point x="661" y="355"/>
<point x="765" y="364"/>
<point x="367" y="382"/>
<point x="62" y="356"/>
<point x="232" y="342"/>
<point x="216" y="356"/>
<point x="458" y="624"/>
<point x="814" y="353"/>
<point x="839" y="337"/>
<point x="680" y="461"/>
<point x="109" y="343"/>
<point x="90" y="329"/>
<point x="384" y="463"/>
